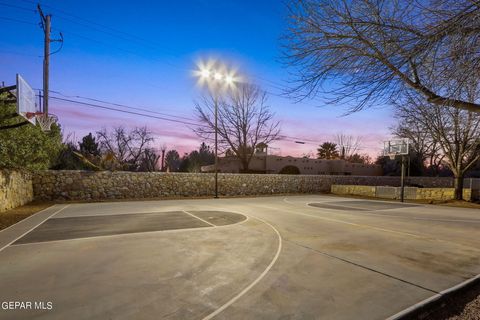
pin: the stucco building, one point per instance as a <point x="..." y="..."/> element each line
<point x="273" y="164"/>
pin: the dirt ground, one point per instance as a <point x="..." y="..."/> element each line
<point x="462" y="306"/>
<point x="13" y="216"/>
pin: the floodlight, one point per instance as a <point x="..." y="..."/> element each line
<point x="229" y="79"/>
<point x="205" y="73"/>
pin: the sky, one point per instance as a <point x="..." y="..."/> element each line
<point x="142" y="54"/>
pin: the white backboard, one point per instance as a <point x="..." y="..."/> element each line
<point x="396" y="147"/>
<point x="25" y="99"/>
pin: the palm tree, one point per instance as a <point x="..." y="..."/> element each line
<point x="327" y="150"/>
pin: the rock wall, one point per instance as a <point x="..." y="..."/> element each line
<point x="441" y="194"/>
<point x="15" y="189"/>
<point x="411" y="193"/>
<point x="424" y="182"/>
<point x="83" y="185"/>
<point x="87" y="185"/>
<point x="368" y="191"/>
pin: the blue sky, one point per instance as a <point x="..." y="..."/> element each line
<point x="142" y="53"/>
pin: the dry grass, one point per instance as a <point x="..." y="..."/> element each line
<point x="461" y="204"/>
<point x="13" y="216"/>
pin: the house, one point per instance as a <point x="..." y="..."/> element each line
<point x="261" y="162"/>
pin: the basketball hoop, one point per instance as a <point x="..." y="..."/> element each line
<point x="398" y="147"/>
<point x="393" y="148"/>
<point x="45" y="121"/>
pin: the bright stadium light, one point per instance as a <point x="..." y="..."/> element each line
<point x="229" y="79"/>
<point x="216" y="78"/>
<point x="205" y="73"/>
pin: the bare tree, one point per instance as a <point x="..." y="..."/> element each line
<point x="244" y="120"/>
<point x="126" y="146"/>
<point x="148" y="160"/>
<point x="422" y="143"/>
<point x="348" y="145"/>
<point x="370" y="51"/>
<point x="456" y="131"/>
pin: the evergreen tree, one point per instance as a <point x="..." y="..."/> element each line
<point x="88" y="146"/>
<point x="27" y="146"/>
<point x="328" y="150"/>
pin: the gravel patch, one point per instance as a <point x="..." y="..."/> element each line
<point x="462" y="305"/>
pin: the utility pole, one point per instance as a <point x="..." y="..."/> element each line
<point x="163" y="161"/>
<point x="46" y="25"/>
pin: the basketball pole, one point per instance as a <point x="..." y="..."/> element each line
<point x="402" y="180"/>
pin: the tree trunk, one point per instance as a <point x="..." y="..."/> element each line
<point x="458" y="185"/>
<point x="244" y="165"/>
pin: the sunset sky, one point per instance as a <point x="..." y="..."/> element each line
<point x="141" y="54"/>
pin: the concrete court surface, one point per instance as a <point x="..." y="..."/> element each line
<point x="294" y="257"/>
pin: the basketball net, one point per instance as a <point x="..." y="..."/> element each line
<point x="45" y="121"/>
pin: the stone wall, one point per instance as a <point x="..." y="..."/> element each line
<point x="424" y="182"/>
<point x="88" y="185"/>
<point x="368" y="191"/>
<point x="84" y="185"/>
<point x="15" y="189"/>
<point x="411" y="193"/>
<point x="20" y="187"/>
<point x="441" y="194"/>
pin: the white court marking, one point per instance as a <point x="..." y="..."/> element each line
<point x="26" y="218"/>
<point x="59" y="210"/>
<point x="194" y="216"/>
<point x="258" y="279"/>
<point x="130" y="234"/>
<point x="392" y="215"/>
<point x="418" y="236"/>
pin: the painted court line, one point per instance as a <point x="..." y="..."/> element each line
<point x="375" y="228"/>
<point x="59" y="210"/>
<point x="359" y="224"/>
<point x="26" y="218"/>
<point x="133" y="233"/>
<point x="114" y="235"/>
<point x="379" y="229"/>
<point x="258" y="279"/>
<point x="406" y="217"/>
<point x="194" y="216"/>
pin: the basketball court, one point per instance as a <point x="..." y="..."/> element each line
<point x="295" y="257"/>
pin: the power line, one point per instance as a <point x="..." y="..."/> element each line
<point x="16" y="7"/>
<point x="18" y="21"/>
<point x="95" y="23"/>
<point x="272" y="84"/>
<point x="282" y="137"/>
<point x="19" y="53"/>
<point x="123" y="38"/>
<point x="153" y="45"/>
<point x="120" y="105"/>
<point x="126" y="111"/>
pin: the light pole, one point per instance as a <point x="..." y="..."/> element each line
<point x="215" y="98"/>
<point x="216" y="81"/>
